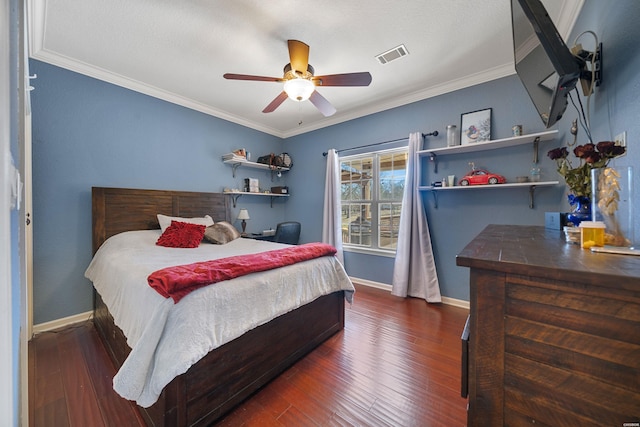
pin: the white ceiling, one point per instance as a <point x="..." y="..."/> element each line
<point x="178" y="50"/>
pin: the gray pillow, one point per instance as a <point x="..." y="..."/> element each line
<point x="221" y="232"/>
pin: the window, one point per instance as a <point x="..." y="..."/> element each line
<point x="372" y="186"/>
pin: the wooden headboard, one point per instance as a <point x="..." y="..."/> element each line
<point x="115" y="210"/>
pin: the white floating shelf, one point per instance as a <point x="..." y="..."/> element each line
<point x="235" y="194"/>
<point x="491" y="145"/>
<point x="489" y="186"/>
<point x="236" y="163"/>
<point x="531" y="185"/>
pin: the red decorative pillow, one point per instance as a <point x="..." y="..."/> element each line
<point x="182" y="235"/>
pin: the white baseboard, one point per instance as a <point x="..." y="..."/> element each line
<point x="371" y="283"/>
<point x="456" y="302"/>
<point x="385" y="287"/>
<point x="59" y="323"/>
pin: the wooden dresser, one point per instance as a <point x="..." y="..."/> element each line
<point x="554" y="331"/>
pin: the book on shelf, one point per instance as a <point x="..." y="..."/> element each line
<point x="252" y="185"/>
<point x="233" y="156"/>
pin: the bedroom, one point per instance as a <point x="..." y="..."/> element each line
<point x="122" y="138"/>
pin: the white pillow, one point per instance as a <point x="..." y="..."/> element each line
<point x="165" y="221"/>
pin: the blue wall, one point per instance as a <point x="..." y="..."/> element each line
<point x="88" y="132"/>
<point x="459" y="216"/>
<point x="616" y="105"/>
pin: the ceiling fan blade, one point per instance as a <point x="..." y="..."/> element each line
<point x="298" y="56"/>
<point x="347" y="79"/>
<point x="232" y="76"/>
<point x="275" y="103"/>
<point x="322" y="104"/>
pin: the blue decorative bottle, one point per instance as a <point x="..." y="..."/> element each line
<point x="581" y="211"/>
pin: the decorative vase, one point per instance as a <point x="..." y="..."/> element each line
<point x="581" y="209"/>
<point x="611" y="190"/>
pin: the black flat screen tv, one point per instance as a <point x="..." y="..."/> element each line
<point x="544" y="63"/>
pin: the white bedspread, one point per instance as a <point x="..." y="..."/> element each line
<point x="167" y="338"/>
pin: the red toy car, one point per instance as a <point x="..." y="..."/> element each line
<point x="481" y="176"/>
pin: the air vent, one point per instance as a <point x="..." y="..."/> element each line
<point x="393" y="54"/>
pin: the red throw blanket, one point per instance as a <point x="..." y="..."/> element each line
<point x="176" y="282"/>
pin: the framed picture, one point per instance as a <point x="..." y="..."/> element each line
<point x="475" y="126"/>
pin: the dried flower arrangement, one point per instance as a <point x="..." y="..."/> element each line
<point x="606" y="191"/>
<point x="591" y="156"/>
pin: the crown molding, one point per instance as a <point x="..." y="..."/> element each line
<point x="141" y="87"/>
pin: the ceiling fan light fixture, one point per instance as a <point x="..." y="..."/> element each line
<point x="299" y="89"/>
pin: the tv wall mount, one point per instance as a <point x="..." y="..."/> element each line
<point x="590" y="67"/>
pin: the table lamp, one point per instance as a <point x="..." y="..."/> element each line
<point x="243" y="215"/>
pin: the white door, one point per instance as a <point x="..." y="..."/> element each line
<point x="26" y="224"/>
<point x="7" y="347"/>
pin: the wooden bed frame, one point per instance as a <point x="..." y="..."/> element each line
<point x="234" y="371"/>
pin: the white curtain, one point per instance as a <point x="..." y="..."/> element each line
<point x="331" y="219"/>
<point x="414" y="270"/>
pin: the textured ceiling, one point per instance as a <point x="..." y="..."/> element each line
<point x="179" y="50"/>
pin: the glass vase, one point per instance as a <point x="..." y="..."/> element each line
<point x="611" y="202"/>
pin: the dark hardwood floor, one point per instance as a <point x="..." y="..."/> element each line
<point x="397" y="363"/>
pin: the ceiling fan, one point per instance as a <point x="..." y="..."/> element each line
<point x="300" y="82"/>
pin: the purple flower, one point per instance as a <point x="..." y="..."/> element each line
<point x="584" y="151"/>
<point x="558" y="153"/>
<point x="606" y="147"/>
<point x="591" y="156"/>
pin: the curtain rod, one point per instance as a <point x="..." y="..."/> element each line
<point x="434" y="133"/>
